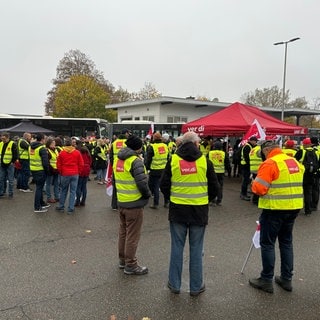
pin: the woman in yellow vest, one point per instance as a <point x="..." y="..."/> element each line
<point x="53" y="176"/>
<point x="189" y="181"/>
<point x="279" y="186"/>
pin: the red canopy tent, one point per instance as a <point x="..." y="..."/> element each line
<point x="236" y="119"/>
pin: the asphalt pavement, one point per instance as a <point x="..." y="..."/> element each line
<point x="61" y="267"/>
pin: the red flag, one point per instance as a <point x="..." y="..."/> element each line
<point x="255" y="130"/>
<point x="150" y="132"/>
<point x="109" y="187"/>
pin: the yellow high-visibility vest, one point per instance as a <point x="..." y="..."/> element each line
<point x="159" y="160"/>
<point x="7" y="157"/>
<point x="255" y="159"/>
<point x="189" y="183"/>
<point x="217" y="157"/>
<point x="127" y="190"/>
<point x="286" y="192"/>
<point x="35" y="159"/>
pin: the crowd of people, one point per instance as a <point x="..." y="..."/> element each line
<point x="189" y="172"/>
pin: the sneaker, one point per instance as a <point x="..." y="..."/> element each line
<point x="283" y="283"/>
<point x="70" y="211"/>
<point x="138" y="270"/>
<point x="154" y="207"/>
<point x="166" y="205"/>
<point x="172" y="289"/>
<point x="261" y="284"/>
<point x="60" y="209"/>
<point x="51" y="201"/>
<point x="26" y="190"/>
<point x="82" y="204"/>
<point x="40" y="210"/>
<point x="122" y="264"/>
<point x="45" y="206"/>
<point x="246" y="198"/>
<point x="100" y="182"/>
<point x="196" y="293"/>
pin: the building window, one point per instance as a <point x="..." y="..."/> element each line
<point x="148" y="118"/>
<point x="136" y="118"/>
<point x="176" y="119"/>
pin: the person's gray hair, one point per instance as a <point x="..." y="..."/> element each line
<point x="190" y="136"/>
<point x="269" y="144"/>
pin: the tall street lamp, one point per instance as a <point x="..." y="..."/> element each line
<point x="284" y="72"/>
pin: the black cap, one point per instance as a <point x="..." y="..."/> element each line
<point x="134" y="143"/>
<point x="125" y="130"/>
<point x="253" y="138"/>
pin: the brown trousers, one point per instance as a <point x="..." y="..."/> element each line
<point x="129" y="234"/>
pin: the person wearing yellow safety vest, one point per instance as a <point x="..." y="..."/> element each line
<point x="53" y="175"/>
<point x="309" y="178"/>
<point x="131" y="181"/>
<point x="24" y="172"/>
<point x="205" y="146"/>
<point x="8" y="157"/>
<point x="116" y="146"/>
<point x="255" y="161"/>
<point x="190" y="182"/>
<point x="39" y="167"/>
<point x="288" y="148"/>
<point x="221" y="163"/>
<point x="100" y="158"/>
<point x="245" y="167"/>
<point x="315" y="188"/>
<point x="156" y="159"/>
<point x="279" y="186"/>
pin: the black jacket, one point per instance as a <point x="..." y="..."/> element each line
<point x="189" y="214"/>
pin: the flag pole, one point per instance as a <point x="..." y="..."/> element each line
<point x="247" y="258"/>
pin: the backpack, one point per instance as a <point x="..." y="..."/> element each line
<point x="310" y="162"/>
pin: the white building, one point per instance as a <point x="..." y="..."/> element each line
<point x="181" y="110"/>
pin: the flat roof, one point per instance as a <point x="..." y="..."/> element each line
<point x="215" y="105"/>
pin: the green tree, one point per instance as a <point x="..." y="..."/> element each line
<point x="75" y="63"/>
<point x="82" y="96"/>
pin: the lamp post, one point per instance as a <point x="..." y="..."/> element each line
<point x="284" y="72"/>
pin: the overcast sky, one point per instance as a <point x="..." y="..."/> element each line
<point x="214" y="48"/>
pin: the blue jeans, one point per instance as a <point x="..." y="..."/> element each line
<point x="23" y="175"/>
<point x="178" y="238"/>
<point x="82" y="190"/>
<point x="101" y="174"/>
<point x="52" y="181"/>
<point x="154" y="185"/>
<point x="39" y="178"/>
<point x="67" y="181"/>
<point x="277" y="224"/>
<point x="6" y="172"/>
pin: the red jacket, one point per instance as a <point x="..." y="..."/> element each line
<point x="87" y="160"/>
<point x="69" y="161"/>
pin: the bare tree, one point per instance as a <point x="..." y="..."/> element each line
<point x="266" y="97"/>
